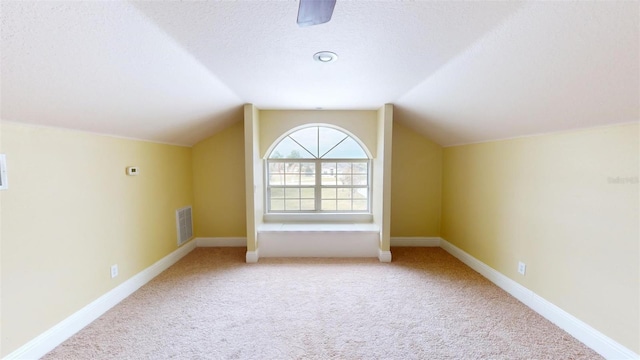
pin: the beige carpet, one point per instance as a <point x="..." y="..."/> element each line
<point x="424" y="305"/>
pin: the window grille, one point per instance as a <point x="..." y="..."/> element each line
<point x="318" y="169"/>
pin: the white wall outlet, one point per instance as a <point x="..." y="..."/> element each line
<point x="114" y="270"/>
<point x="132" y="170"/>
<point x="522" y="267"/>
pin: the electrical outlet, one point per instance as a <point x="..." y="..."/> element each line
<point x="114" y="270"/>
<point x="522" y="267"/>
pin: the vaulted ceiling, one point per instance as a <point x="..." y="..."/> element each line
<point x="458" y="72"/>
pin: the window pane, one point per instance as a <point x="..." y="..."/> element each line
<point x="328" y="205"/>
<point x="307" y="204"/>
<point x="329" y="174"/>
<point x="328" y="193"/>
<point x="276" y="180"/>
<point x="329" y="168"/>
<point x="276" y="167"/>
<point x="307" y="193"/>
<point x="292" y="193"/>
<point x="308" y="168"/>
<point x="360" y="193"/>
<point x="308" y="173"/>
<point x="360" y="168"/>
<point x="344" y="193"/>
<point x="360" y="205"/>
<point x="360" y="179"/>
<point x="277" y="204"/>
<point x="277" y="193"/>
<point x="344" y="205"/>
<point x="344" y="179"/>
<point x="329" y="138"/>
<point x="292" y="205"/>
<point x="348" y="149"/>
<point x="329" y="180"/>
<point x="292" y="168"/>
<point x="292" y="179"/>
<point x="308" y="138"/>
<point x="344" y="168"/>
<point x="306" y="179"/>
<point x="288" y="149"/>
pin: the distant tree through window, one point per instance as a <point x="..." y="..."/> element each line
<point x="318" y="169"/>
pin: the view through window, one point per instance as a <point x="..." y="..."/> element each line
<point x="318" y="169"/>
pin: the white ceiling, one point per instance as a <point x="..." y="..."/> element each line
<point x="458" y="72"/>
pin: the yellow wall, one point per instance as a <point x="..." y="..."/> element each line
<point x="361" y="123"/>
<point x="219" y="184"/>
<point x="552" y="202"/>
<point x="71" y="212"/>
<point x="416" y="183"/>
<point x="565" y="204"/>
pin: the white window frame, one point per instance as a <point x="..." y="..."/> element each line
<point x="317" y="215"/>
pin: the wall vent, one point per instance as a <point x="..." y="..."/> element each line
<point x="184" y="224"/>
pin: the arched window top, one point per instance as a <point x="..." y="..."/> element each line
<point x="318" y="142"/>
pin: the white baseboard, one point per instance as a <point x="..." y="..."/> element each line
<point x="415" y="241"/>
<point x="252" y="257"/>
<point x="591" y="337"/>
<point x="221" y="242"/>
<point x="384" y="256"/>
<point x="55" y="336"/>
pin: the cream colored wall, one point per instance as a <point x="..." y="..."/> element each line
<point x="275" y="123"/>
<point x="218" y="184"/>
<point x="566" y="205"/>
<point x="416" y="184"/>
<point x="71" y="212"/>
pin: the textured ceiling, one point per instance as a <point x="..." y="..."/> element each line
<point x="458" y="72"/>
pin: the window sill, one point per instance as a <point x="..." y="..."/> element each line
<point x="317" y="227"/>
<point x="323" y="218"/>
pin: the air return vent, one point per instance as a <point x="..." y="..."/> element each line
<point x="184" y="224"/>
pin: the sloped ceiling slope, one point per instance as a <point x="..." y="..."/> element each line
<point x="458" y="72"/>
<point x="550" y="67"/>
<point x="103" y="67"/>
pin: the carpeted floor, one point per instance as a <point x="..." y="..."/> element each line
<point x="424" y="305"/>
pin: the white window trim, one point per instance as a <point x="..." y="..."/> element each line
<point x="304" y="217"/>
<point x="318" y="215"/>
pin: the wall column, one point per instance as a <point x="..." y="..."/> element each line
<point x="382" y="181"/>
<point x="253" y="179"/>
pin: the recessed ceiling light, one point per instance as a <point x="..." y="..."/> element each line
<point x="325" y="56"/>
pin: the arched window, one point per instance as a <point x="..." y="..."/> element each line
<point x="318" y="169"/>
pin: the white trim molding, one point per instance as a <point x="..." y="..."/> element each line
<point x="318" y="240"/>
<point x="60" y="332"/>
<point x="56" y="335"/>
<point x="591" y="337"/>
<point x="221" y="242"/>
<point x="252" y="257"/>
<point x="384" y="256"/>
<point x="415" y="241"/>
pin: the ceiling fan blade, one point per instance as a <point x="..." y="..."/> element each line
<point x="314" y="12"/>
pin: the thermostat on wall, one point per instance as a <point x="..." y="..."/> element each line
<point x="132" y="170"/>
